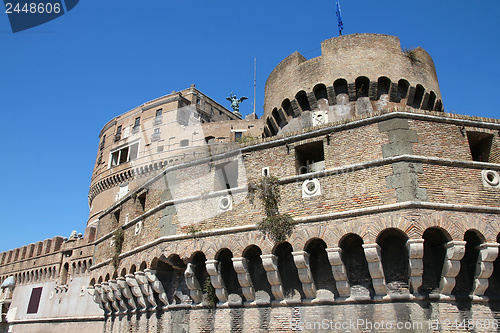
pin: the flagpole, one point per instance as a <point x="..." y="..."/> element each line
<point x="339" y="17"/>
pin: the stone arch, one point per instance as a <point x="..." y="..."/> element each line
<point x="394" y="257"/>
<point x="198" y="260"/>
<point x="256" y="270"/>
<point x="464" y="281"/>
<point x="92" y="282"/>
<point x="132" y="269"/>
<point x="431" y="101"/>
<point x="419" y="95"/>
<point x="288" y="271"/>
<point x="99" y="281"/>
<point x="301" y="98"/>
<point x="280" y="121"/>
<point x="286" y="105"/>
<point x="403" y="87"/>
<point x="123" y="272"/>
<point x="271" y="126"/>
<point x="435" y="239"/>
<point x="439" y="105"/>
<point x="354" y="259"/>
<point x="227" y="271"/>
<point x="362" y="86"/>
<point x="114" y="276"/>
<point x="143" y="266"/>
<point x="383" y="86"/>
<point x="320" y="265"/>
<point x="107" y="277"/>
<point x="300" y="238"/>
<point x="340" y="87"/>
<point x="321" y="95"/>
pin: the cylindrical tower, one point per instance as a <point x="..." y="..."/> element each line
<point x="355" y="74"/>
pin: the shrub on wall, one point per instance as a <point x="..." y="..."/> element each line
<point x="276" y="226"/>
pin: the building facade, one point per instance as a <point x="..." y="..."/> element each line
<point x="395" y="208"/>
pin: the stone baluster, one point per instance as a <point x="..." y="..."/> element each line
<point x="301" y="259"/>
<point x="136" y="290"/>
<point x="241" y="268"/>
<point x="213" y="269"/>
<point x="488" y="252"/>
<point x="372" y="254"/>
<point x="118" y="295"/>
<point x="103" y="297"/>
<point x="455" y="251"/>
<point x="416" y="263"/>
<point x="193" y="284"/>
<point x="270" y="264"/>
<point x="110" y="295"/>
<point x="156" y="285"/>
<point x="338" y="270"/>
<point x="125" y="290"/>
<point x="147" y="291"/>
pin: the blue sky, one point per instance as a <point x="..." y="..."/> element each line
<point x="62" y="81"/>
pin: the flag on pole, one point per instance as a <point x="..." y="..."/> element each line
<point x="339" y="17"/>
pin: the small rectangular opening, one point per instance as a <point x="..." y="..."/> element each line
<point x="480" y="145"/>
<point x="134" y="149"/>
<point x="34" y="302"/>
<point x="310" y="157"/>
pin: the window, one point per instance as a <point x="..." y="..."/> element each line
<point x="480" y="145"/>
<point x="237" y="135"/>
<point x="184" y="143"/>
<point x="34" y="302"/>
<point x="118" y="133"/>
<point x="156" y="135"/>
<point x="137" y="124"/>
<point x="101" y="146"/>
<point x="198" y="101"/>
<point x="158" y="116"/>
<point x="142" y="201"/>
<point x="310" y="157"/>
<point x="124" y="154"/>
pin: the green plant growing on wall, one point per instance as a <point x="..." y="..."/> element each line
<point x="276" y="226"/>
<point x="209" y="292"/>
<point x="118" y="238"/>
<point x="193" y="231"/>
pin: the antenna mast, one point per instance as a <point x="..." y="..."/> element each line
<point x="254" y="81"/>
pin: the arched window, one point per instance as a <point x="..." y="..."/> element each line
<point x="257" y="272"/>
<point x="320" y="92"/>
<point x="287" y="107"/>
<point x="227" y="271"/>
<point x="362" y="86"/>
<point x="64" y="274"/>
<point x="394" y="258"/>
<point x="278" y="118"/>
<point x="301" y="98"/>
<point x="340" y="87"/>
<point x="419" y="94"/>
<point x="465" y="278"/>
<point x="353" y="257"/>
<point x="431" y="102"/>
<point x="403" y="86"/>
<point x="383" y="86"/>
<point x="434" y="256"/>
<point x="271" y="126"/>
<point x="320" y="266"/>
<point x="288" y="271"/>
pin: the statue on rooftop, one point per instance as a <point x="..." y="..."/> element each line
<point x="235" y="102"/>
